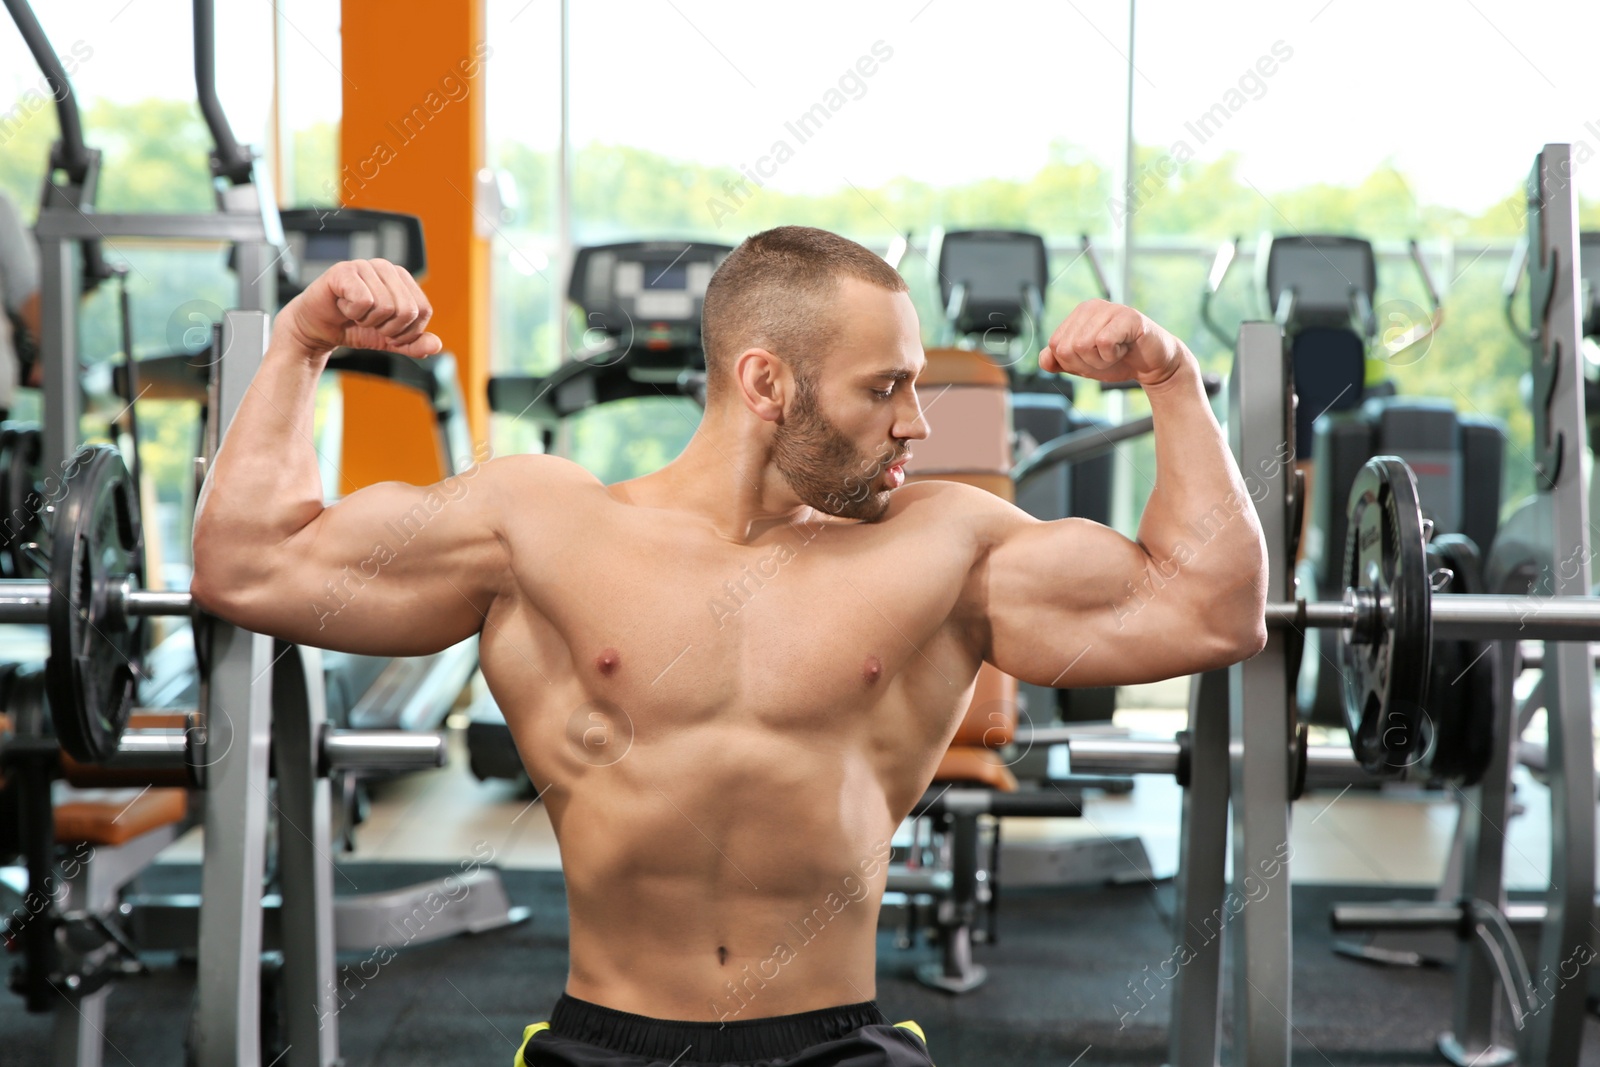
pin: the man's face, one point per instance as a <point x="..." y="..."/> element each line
<point x="842" y="444"/>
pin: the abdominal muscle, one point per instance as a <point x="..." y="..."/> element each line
<point x="716" y="877"/>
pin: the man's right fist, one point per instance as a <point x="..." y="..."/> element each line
<point x="363" y="303"/>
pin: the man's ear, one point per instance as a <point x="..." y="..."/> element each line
<point x="764" y="383"/>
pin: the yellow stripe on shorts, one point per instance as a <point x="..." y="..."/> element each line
<point x="909" y="1024"/>
<point x="528" y="1032"/>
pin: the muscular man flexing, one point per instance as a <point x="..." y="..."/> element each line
<point x="724" y="784"/>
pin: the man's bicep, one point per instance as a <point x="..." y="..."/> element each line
<point x="1072" y="603"/>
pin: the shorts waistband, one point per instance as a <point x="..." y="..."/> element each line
<point x="737" y="1041"/>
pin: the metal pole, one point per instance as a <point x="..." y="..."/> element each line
<point x="238" y="709"/>
<point x="561" y="262"/>
<point x="1484" y="815"/>
<point x="1121" y="755"/>
<point x="1122" y="475"/>
<point x="305" y="815"/>
<point x="1482" y="617"/>
<point x="1557" y="1028"/>
<point x="60" y="287"/>
<point x="1196" y="1034"/>
<point x="1125" y="282"/>
<point x="1259" y="724"/>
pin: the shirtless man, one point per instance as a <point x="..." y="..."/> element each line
<point x="724" y="784"/>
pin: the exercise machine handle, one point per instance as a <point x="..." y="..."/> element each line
<point x="1512" y="283"/>
<point x="1227" y="252"/>
<point x="1420" y="331"/>
<point x="73" y="155"/>
<point x="1095" y="267"/>
<point x="898" y="249"/>
<point x="229" y="159"/>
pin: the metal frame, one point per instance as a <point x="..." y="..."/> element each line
<point x="1556" y="1034"/>
<point x="1195" y="1037"/>
<point x="1258" y="709"/>
<point x="237" y="701"/>
<point x="79" y="1034"/>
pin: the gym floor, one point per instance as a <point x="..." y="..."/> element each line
<point x="1065" y="974"/>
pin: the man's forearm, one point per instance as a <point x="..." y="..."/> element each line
<point x="265" y="484"/>
<point x="1200" y="517"/>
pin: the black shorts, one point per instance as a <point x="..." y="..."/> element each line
<point x="580" y="1034"/>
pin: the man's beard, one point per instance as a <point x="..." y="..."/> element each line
<point x="823" y="466"/>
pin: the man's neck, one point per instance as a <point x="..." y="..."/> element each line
<point x="731" y="485"/>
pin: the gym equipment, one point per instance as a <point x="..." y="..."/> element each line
<point x="1255" y="777"/>
<point x="20" y="474"/>
<point x="93" y="607"/>
<point x="1322" y="289"/>
<point x="993" y="282"/>
<point x="1388" y="620"/>
<point x="68" y="236"/>
<point x="253" y="695"/>
<point x="1551" y="526"/>
<point x="641" y="303"/>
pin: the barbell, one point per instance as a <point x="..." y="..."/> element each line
<point x="91" y="601"/>
<point x="1390" y="618"/>
<point x="94" y="608"/>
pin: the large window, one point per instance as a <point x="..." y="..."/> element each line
<point x="132" y="72"/>
<point x="523" y="135"/>
<point x="714" y="120"/>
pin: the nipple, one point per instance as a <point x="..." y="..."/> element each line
<point x="607" y="662"/>
<point x="871" y="669"/>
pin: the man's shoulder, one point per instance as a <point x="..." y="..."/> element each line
<point x="957" y="498"/>
<point x="528" y="480"/>
<point x="985" y="515"/>
<point x="532" y="470"/>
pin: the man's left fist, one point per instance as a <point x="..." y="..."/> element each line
<point x="1112" y="343"/>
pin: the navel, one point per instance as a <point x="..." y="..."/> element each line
<point x="607" y="662"/>
<point x="722" y="954"/>
<point x="871" y="669"/>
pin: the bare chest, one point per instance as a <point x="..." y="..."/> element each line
<point x="800" y="630"/>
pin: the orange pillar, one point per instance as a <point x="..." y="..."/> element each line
<point x="411" y="139"/>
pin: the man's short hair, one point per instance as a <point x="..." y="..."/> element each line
<point x="778" y="291"/>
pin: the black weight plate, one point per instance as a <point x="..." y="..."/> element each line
<point x="1386" y="679"/>
<point x="1295" y="637"/>
<point x="1461" y="693"/>
<point x="92" y="672"/>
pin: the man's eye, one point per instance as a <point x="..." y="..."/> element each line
<point x="883" y="394"/>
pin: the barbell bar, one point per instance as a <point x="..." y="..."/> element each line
<point x="1465" y="616"/>
<point x="371" y="751"/>
<point x="24" y="601"/>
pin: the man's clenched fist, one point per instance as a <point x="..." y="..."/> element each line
<point x="363" y="303"/>
<point x="1112" y="343"/>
